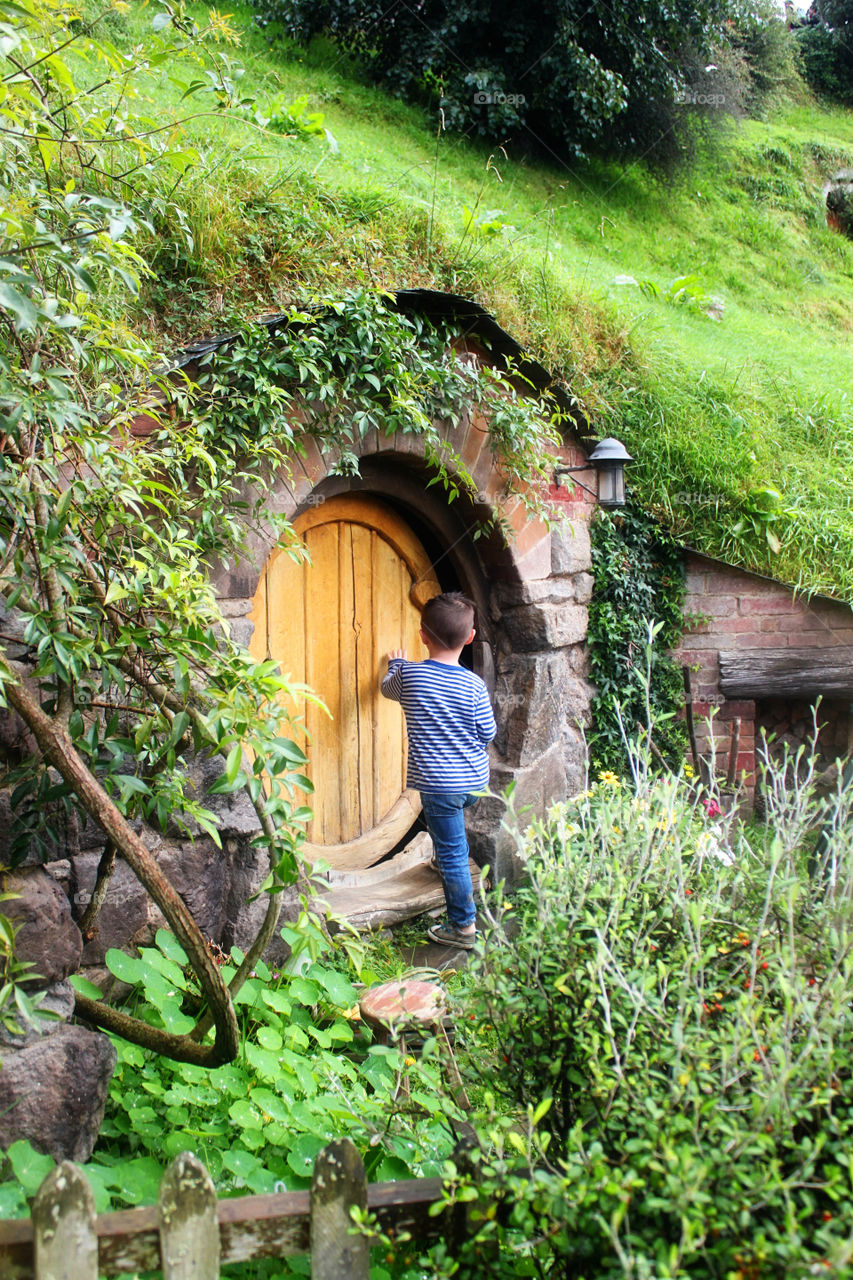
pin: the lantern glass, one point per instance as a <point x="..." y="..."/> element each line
<point x="611" y="486"/>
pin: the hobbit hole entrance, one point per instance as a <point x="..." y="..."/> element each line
<point x="328" y="623"/>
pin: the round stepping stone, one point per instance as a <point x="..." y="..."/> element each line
<point x="409" y="1001"/>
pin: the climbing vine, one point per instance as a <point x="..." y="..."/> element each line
<point x="634" y="620"/>
<point x="343" y="369"/>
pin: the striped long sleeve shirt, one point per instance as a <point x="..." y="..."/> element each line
<point x="449" y="721"/>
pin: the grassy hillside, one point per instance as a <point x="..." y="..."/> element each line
<point x="742" y="426"/>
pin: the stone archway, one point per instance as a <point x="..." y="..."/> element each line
<point x="531" y="595"/>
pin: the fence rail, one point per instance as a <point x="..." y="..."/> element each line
<point x="189" y="1234"/>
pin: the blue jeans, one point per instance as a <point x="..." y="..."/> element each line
<point x="445" y="822"/>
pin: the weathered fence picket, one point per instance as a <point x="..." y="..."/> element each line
<point x="189" y="1230"/>
<point x="65" y="1245"/>
<point x="190" y="1234"/>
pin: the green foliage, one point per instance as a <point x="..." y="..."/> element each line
<point x="825" y="55"/>
<point x="666" y="1002"/>
<point x="358" y="365"/>
<point x="571" y="78"/>
<point x="307" y="1072"/>
<point x="634" y="619"/>
<point x="18" y="1010"/>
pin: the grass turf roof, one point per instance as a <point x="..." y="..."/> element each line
<point x="719" y="415"/>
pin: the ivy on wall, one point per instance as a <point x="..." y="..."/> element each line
<point x="340" y="371"/>
<point x="637" y="597"/>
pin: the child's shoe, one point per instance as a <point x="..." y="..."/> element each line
<point x="447" y="936"/>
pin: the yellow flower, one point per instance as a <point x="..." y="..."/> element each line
<point x="608" y="776"/>
<point x="688" y="771"/>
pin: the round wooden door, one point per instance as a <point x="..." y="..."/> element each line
<point x="329" y="624"/>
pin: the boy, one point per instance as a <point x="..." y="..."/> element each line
<point x="449" y="721"/>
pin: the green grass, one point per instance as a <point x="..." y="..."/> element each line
<point x="713" y="410"/>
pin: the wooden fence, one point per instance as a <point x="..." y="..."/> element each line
<point x="189" y="1234"/>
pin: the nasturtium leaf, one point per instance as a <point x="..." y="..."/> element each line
<point x="166" y="941"/>
<point x="240" y="1161"/>
<point x="85" y="987"/>
<point x="125" y="968"/>
<point x="276" y="1000"/>
<point x="338" y="988"/>
<point x="270" y="1104"/>
<point x="245" y="1115"/>
<point x="305" y="992"/>
<point x="265" y="1063"/>
<point x="296" y="1037"/>
<point x="140" y="1181"/>
<point x="29" y="1166"/>
<point x="391" y="1169"/>
<point x="269" y="1038"/>
<point x="303" y="1154"/>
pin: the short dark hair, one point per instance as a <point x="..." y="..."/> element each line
<point x="448" y="619"/>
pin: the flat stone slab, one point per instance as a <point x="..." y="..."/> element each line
<point x="404" y="1000"/>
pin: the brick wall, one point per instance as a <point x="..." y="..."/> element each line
<point x="727" y="609"/>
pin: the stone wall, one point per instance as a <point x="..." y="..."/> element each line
<point x="728" y="609"/>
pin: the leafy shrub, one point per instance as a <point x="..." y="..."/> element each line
<point x="826" y="62"/>
<point x="666" y="1002"/>
<point x="565" y="78"/>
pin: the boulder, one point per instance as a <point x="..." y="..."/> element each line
<point x="536" y="698"/>
<point x="53" y="1092"/>
<point x="199" y="871"/>
<point x="545" y="626"/>
<point x="47" y="936"/>
<point x="124" y="910"/>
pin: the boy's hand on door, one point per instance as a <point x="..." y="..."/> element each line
<point x="397" y="653"/>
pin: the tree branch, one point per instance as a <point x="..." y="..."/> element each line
<point x="58" y="750"/>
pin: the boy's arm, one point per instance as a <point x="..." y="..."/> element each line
<point x="392" y="682"/>
<point x="484" y="717"/>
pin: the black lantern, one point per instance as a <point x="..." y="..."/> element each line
<point x="608" y="458"/>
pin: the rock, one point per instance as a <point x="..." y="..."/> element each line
<point x="57" y="1000"/>
<point x="545" y="626"/>
<point x="50" y="833"/>
<point x="53" y="1092"/>
<point x="47" y="936"/>
<point x="199" y="872"/>
<point x="536" y="697"/>
<point x="570" y="548"/>
<point x="234" y="810"/>
<point x="124" y="910"/>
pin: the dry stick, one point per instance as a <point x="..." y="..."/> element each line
<point x="655" y="750"/>
<point x="58" y="750"/>
<point x="731" y="772"/>
<point x="105" y="870"/>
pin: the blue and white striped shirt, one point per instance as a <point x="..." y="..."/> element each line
<point x="449" y="721"/>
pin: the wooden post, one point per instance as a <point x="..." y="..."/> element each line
<point x="731" y="774"/>
<point x="339" y="1183"/>
<point x="65" y="1245"/>
<point x="691" y="727"/>
<point x="189" y="1226"/>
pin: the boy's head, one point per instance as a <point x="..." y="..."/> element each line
<point x="448" y="619"/>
